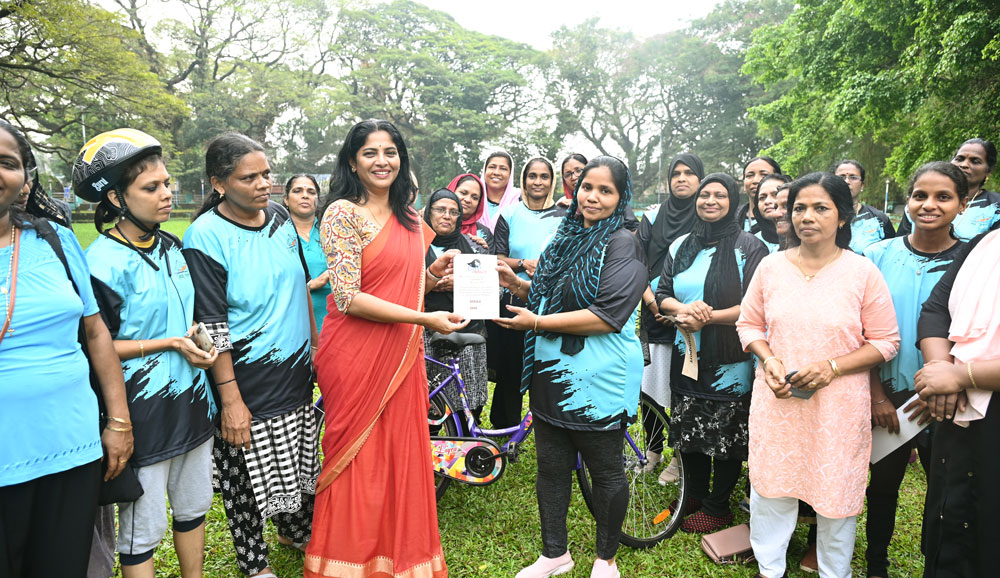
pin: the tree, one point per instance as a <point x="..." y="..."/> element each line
<point x="68" y="67"/>
<point x="914" y="78"/>
<point x="450" y="91"/>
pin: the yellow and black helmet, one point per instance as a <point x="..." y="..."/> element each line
<point x="104" y="158"/>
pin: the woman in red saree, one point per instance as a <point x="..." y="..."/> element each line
<point x="375" y="514"/>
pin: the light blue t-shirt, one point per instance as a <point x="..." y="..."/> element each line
<point x="978" y="217"/>
<point x="724" y="381"/>
<point x="170" y="402"/>
<point x="312" y="250"/>
<point x="868" y="227"/>
<point x="522" y="233"/>
<point x="48" y="411"/>
<point x="771" y="247"/>
<point x="910" y="276"/>
<point x="252" y="281"/>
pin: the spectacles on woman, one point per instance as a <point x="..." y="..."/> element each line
<point x="850" y="178"/>
<point x="442" y="211"/>
<point x="573" y="173"/>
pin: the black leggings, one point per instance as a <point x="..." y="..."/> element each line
<point x="883" y="494"/>
<point x="505" y="356"/>
<point x="698" y="470"/>
<point x="556" y="449"/>
<point x="47" y="524"/>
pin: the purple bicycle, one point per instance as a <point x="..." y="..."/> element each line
<point x="466" y="454"/>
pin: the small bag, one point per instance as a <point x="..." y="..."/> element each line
<point x="729" y="546"/>
<point x="124" y="488"/>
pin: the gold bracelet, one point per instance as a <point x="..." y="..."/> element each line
<point x="764" y="363"/>
<point x="118" y="429"/>
<point x="535" y="329"/>
<point x="119" y="420"/>
<point x="833" y="365"/>
<point x="142" y="352"/>
<point x="881" y="402"/>
<point x="972" y="380"/>
<point x="520" y="284"/>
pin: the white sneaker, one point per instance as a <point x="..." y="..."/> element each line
<point x="671" y="473"/>
<point x="545" y="567"/>
<point x="652" y="459"/>
<point x="604" y="570"/>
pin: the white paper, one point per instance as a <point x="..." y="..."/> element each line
<point x="477" y="286"/>
<point x="884" y="443"/>
<point x="690" y="367"/>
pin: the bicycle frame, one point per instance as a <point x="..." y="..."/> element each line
<point x="515" y="434"/>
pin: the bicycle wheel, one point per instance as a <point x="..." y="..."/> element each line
<point x="439" y="406"/>
<point x="655" y="508"/>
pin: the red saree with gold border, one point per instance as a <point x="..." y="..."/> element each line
<point x="376" y="514"/>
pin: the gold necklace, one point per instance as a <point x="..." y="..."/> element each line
<point x="813" y="276"/>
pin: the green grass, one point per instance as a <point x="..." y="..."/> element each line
<point x="493" y="531"/>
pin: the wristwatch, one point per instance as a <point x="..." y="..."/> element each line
<point x="520" y="264"/>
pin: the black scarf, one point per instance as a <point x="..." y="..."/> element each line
<point x="437" y="300"/>
<point x="768" y="230"/>
<point x="569" y="272"/>
<point x="675" y="218"/>
<point x="720" y="344"/>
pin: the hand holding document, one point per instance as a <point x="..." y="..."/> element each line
<point x="690" y="368"/>
<point x="477" y="283"/>
<point x="884" y="443"/>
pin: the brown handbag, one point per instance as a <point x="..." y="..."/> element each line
<point x="729" y="546"/>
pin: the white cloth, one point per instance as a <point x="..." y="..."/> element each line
<point x="772" y="522"/>
<point x="656" y="375"/>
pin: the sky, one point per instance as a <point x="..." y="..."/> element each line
<point x="533" y="21"/>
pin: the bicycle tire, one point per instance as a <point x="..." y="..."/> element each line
<point x="655" y="510"/>
<point x="437" y="409"/>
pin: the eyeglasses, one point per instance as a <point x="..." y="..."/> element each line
<point x="575" y="173"/>
<point x="442" y="211"/>
<point x="850" y="178"/>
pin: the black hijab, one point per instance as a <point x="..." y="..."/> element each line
<point x="441" y="300"/>
<point x="675" y="218"/>
<point x="768" y="230"/>
<point x="723" y="287"/>
<point x="454" y="239"/>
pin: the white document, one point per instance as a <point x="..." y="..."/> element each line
<point x="690" y="368"/>
<point x="884" y="443"/>
<point x="477" y="286"/>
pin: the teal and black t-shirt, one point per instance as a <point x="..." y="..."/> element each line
<point x="598" y="388"/>
<point x="910" y="275"/>
<point x="979" y="216"/>
<point x="869" y="226"/>
<point x="170" y="401"/>
<point x="522" y="233"/>
<point x="725" y="381"/>
<point x="250" y="289"/>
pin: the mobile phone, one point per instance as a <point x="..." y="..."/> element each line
<point x="798" y="392"/>
<point x="201" y="338"/>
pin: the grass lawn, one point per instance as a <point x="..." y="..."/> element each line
<point x="493" y="531"/>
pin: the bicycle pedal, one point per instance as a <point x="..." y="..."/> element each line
<point x="474" y="461"/>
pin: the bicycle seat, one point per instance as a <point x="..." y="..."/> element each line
<point x="458" y="339"/>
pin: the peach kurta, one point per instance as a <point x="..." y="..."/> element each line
<point x="818" y="449"/>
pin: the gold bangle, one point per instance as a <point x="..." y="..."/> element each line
<point x="142" y="352"/>
<point x="119" y="420"/>
<point x="764" y="363"/>
<point x="535" y="329"/>
<point x="833" y="365"/>
<point x="520" y="283"/>
<point x="972" y="380"/>
<point x="118" y="429"/>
